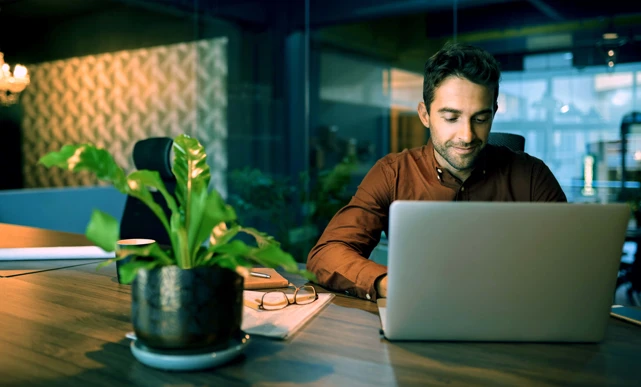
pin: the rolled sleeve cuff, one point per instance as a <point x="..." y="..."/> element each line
<point x="365" y="283"/>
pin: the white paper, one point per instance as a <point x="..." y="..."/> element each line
<point x="66" y="252"/>
<point x="280" y="323"/>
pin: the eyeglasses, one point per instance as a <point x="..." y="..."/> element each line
<point x="278" y="299"/>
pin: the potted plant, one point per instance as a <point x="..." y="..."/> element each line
<point x="189" y="294"/>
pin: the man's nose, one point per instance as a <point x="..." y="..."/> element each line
<point x="466" y="132"/>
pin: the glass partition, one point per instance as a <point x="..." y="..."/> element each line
<point x="296" y="100"/>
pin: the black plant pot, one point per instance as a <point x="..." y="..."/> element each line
<point x="173" y="308"/>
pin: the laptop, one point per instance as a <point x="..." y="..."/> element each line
<point x="490" y="271"/>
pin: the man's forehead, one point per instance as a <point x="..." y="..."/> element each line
<point x="463" y="96"/>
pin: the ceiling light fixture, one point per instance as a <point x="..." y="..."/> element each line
<point x="11" y="84"/>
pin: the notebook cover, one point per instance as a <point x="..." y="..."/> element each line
<point x="276" y="280"/>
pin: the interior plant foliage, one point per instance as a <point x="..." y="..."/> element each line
<point x="258" y="196"/>
<point x="255" y="193"/>
<point x="329" y="192"/>
<point x="203" y="229"/>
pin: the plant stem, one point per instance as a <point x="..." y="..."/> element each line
<point x="183" y="258"/>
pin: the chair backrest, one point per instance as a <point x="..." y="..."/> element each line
<point x="515" y="142"/>
<point x="138" y="221"/>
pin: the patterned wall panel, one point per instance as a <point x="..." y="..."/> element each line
<point x="116" y="99"/>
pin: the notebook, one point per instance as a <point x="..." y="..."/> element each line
<point x="279" y="324"/>
<point x="489" y="271"/>
<point x="275" y="281"/>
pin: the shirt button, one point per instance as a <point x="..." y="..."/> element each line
<point x="438" y="177"/>
<point x="484" y="171"/>
<point x="438" y="170"/>
<point x="347" y="292"/>
<point x="462" y="189"/>
<point x="368" y="296"/>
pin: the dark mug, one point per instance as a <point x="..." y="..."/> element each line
<point x="123" y="243"/>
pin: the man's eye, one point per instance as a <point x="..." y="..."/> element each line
<point x="451" y="119"/>
<point x="481" y="120"/>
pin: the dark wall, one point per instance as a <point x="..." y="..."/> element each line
<point x="10" y="148"/>
<point x="120" y="27"/>
<point x="256" y="107"/>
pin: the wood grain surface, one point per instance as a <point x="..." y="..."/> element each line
<point x="12" y="236"/>
<point x="66" y="327"/>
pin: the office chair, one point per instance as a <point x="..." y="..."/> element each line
<point x="138" y="221"/>
<point x="515" y="142"/>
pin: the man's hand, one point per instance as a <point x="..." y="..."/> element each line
<point x="381" y="286"/>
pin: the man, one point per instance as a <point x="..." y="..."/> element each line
<point x="460" y="93"/>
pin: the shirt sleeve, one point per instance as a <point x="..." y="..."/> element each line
<point x="339" y="259"/>
<point x="545" y="187"/>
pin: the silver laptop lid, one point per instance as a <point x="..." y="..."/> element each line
<point x="489" y="271"/>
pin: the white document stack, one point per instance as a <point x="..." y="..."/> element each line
<point x="281" y="323"/>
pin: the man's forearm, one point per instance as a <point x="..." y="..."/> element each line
<point x="340" y="268"/>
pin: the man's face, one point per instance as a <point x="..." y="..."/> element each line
<point x="460" y="119"/>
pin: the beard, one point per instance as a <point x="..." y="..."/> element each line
<point x="457" y="160"/>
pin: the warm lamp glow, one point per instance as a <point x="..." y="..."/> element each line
<point x="20" y="71"/>
<point x="11" y="85"/>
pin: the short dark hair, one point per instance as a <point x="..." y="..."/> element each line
<point x="464" y="61"/>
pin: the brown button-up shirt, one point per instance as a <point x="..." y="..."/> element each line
<point x="339" y="257"/>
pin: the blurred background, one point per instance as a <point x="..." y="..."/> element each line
<point x="295" y="100"/>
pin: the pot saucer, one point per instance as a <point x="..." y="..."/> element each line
<point x="188" y="360"/>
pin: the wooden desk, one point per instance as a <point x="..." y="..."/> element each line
<point x="66" y="327"/>
<point x="13" y="236"/>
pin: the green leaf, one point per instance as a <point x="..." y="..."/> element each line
<point x="237" y="248"/>
<point x="90" y="158"/>
<point x="152" y="251"/>
<point x="103" y="230"/>
<point x="233" y="252"/>
<point x="262" y="239"/>
<point x="214" y="213"/>
<point x="197" y="214"/>
<point x="226" y="261"/>
<point x="273" y="256"/>
<point x="192" y="177"/>
<point x="180" y="242"/>
<point x="129" y="270"/>
<point x="152" y="179"/>
<point x="109" y="262"/>
<point x="190" y="168"/>
<point x="221" y="237"/>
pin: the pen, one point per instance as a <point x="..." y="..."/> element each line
<point x="261" y="275"/>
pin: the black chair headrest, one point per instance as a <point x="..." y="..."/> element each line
<point x="154" y="154"/>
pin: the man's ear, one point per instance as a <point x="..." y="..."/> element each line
<point x="423" y="114"/>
